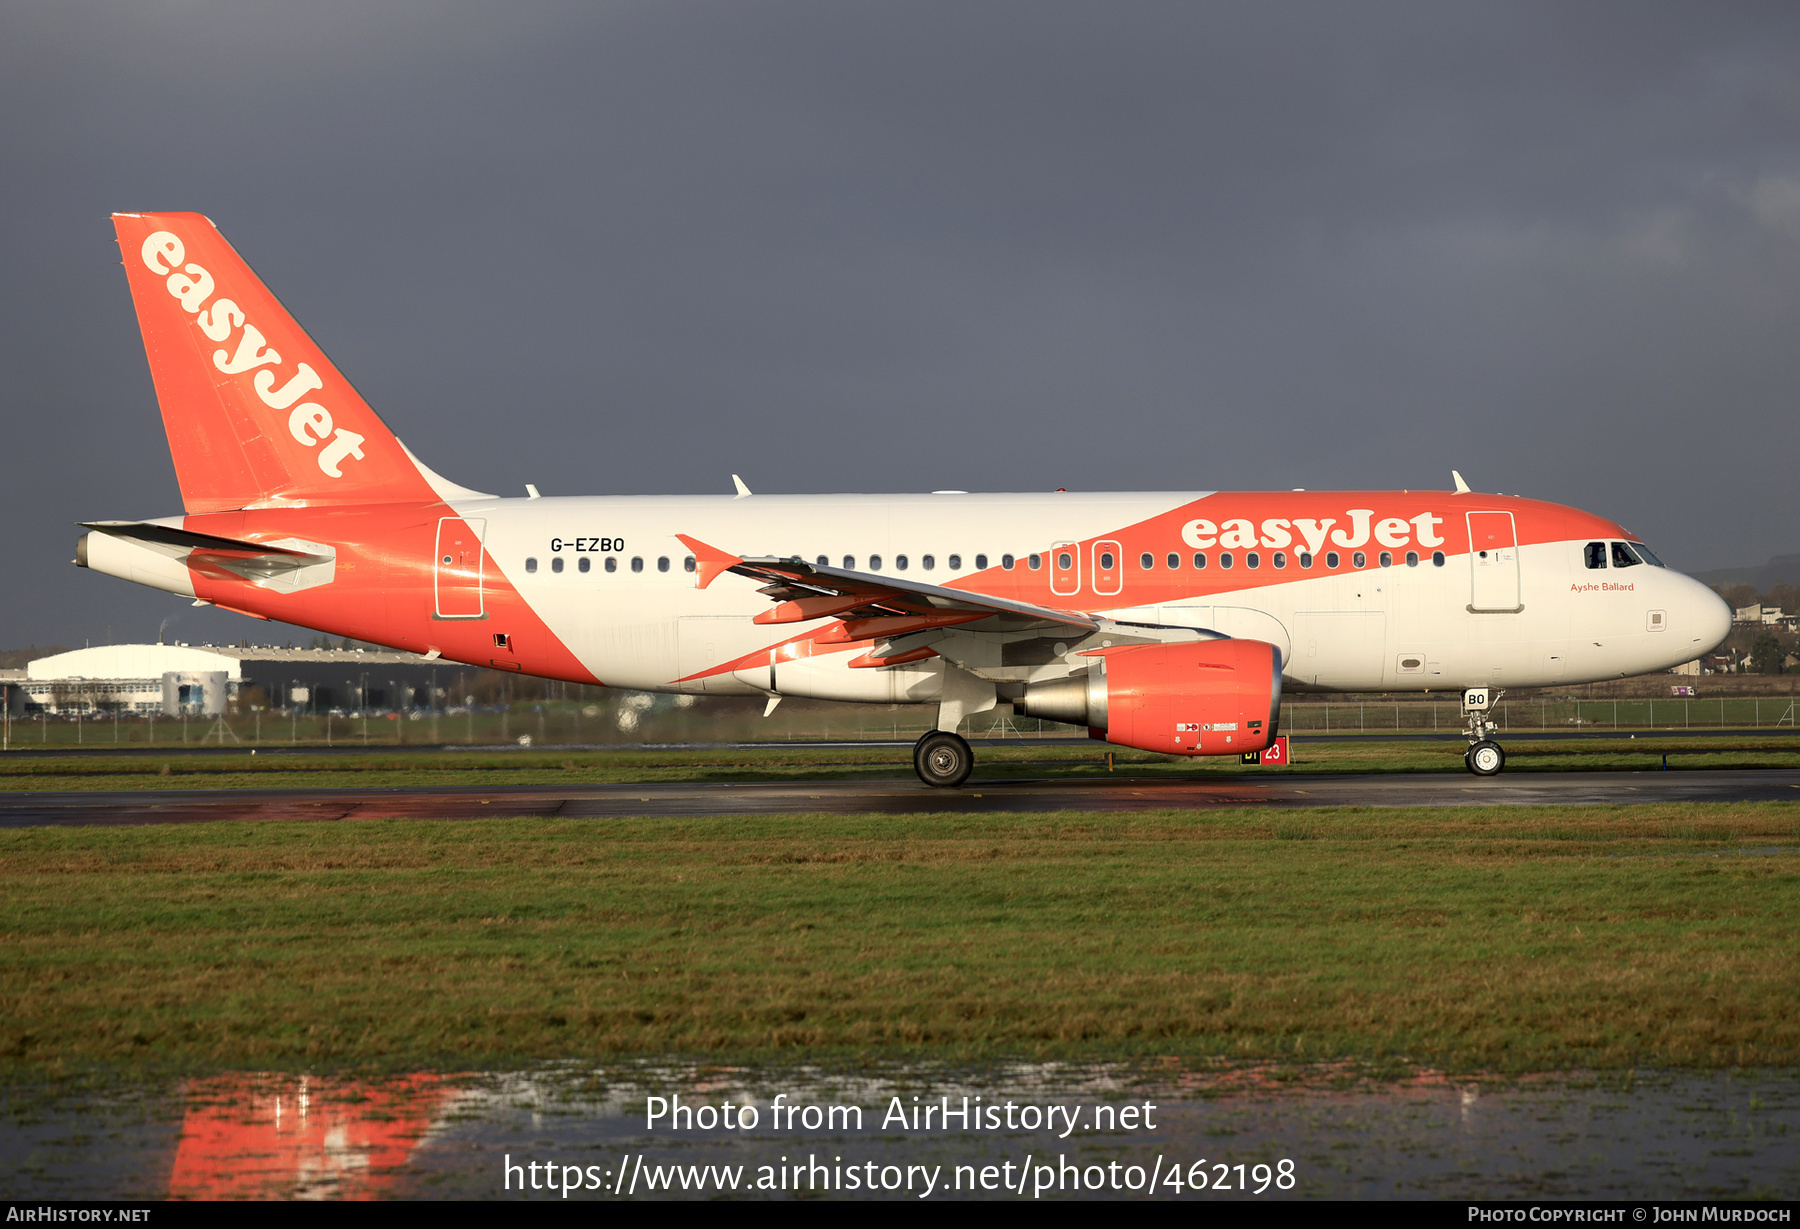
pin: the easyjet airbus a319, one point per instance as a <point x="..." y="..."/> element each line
<point x="1166" y="621"/>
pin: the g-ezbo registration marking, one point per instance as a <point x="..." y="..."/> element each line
<point x="590" y="546"/>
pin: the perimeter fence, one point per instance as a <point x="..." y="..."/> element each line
<point x="1543" y="715"/>
<point x="634" y="719"/>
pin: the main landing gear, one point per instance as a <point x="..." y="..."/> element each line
<point x="1485" y="757"/>
<point x="942" y="759"/>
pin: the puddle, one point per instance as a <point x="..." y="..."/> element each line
<point x="1013" y="1131"/>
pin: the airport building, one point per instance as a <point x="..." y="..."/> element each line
<point x="204" y="680"/>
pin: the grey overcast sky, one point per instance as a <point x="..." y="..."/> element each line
<point x="633" y="248"/>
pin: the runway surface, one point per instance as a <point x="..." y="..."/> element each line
<point x="104" y="750"/>
<point x="20" y="810"/>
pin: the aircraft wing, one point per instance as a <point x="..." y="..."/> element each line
<point x="875" y="606"/>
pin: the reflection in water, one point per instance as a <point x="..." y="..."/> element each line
<point x="249" y="1137"/>
<point x="1687" y="1134"/>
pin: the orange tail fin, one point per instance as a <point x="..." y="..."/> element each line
<point x="256" y="415"/>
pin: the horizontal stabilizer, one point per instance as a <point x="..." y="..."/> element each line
<point x="184" y="540"/>
<point x="287" y="565"/>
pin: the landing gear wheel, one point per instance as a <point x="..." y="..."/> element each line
<point x="1485" y="758"/>
<point x="942" y="759"/>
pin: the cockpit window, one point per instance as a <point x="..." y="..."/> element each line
<point x="1643" y="553"/>
<point x="1623" y="556"/>
<point x="1595" y="554"/>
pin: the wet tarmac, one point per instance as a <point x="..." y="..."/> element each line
<point x="896" y="796"/>
<point x="1036" y="1131"/>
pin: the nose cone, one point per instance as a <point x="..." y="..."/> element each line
<point x="1708" y="616"/>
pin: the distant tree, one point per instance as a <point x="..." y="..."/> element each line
<point x="15" y="659"/>
<point x="1768" y="652"/>
<point x="1738" y="596"/>
<point x="1785" y="596"/>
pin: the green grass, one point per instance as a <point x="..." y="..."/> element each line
<point x="994" y="761"/>
<point x="1475" y="938"/>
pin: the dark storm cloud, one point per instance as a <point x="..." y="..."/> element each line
<point x="635" y="248"/>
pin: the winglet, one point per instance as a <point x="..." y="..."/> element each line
<point x="1462" y="488"/>
<point x="742" y="490"/>
<point x="709" y="561"/>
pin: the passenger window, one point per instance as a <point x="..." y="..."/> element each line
<point x="1279" y="559"/>
<point x="928" y="562"/>
<point x="955" y="562"/>
<point x="1199" y="561"/>
<point x="612" y="564"/>
<point x="556" y="564"/>
<point x="981" y="563"/>
<point x="1006" y="562"/>
<point x="1359" y="560"/>
<point x="662" y="564"/>
<point x="849" y="563"/>
<point x="823" y="561"/>
<point x="874" y="563"/>
<point x="1305" y="559"/>
<point x="687" y="565"/>
<point x="1437" y="558"/>
<point x="1146" y="561"/>
<point x="1034" y="562"/>
<point x="1387" y="558"/>
<point x="637" y="563"/>
<point x="1412" y="558"/>
<point x="900" y="563"/>
<point x="1224" y="558"/>
<point x="1623" y="556"/>
<point x="530" y="564"/>
<point x="1253" y="560"/>
<point x="585" y="564"/>
<point x="1174" y="561"/>
<point x="1065" y="561"/>
<point x="1331" y="559"/>
<point x="1594" y="555"/>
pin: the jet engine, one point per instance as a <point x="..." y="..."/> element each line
<point x="1208" y="697"/>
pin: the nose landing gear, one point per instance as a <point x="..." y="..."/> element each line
<point x="1484" y="757"/>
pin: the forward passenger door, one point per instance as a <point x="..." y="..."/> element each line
<point x="1493" y="564"/>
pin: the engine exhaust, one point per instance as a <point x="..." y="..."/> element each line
<point x="1079" y="699"/>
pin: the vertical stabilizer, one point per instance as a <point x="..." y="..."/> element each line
<point x="256" y="415"/>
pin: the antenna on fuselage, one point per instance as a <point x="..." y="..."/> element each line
<point x="742" y="490"/>
<point x="1462" y="488"/>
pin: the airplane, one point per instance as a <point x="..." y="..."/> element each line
<point x="1167" y="621"/>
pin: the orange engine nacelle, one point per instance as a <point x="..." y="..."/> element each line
<point x="1208" y="697"/>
